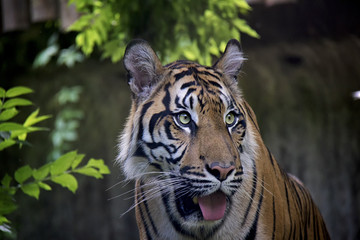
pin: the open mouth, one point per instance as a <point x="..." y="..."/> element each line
<point x="209" y="208"/>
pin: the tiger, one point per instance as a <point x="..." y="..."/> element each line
<point x="193" y="146"/>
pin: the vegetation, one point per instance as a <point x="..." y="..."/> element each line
<point x="27" y="179"/>
<point x="196" y="30"/>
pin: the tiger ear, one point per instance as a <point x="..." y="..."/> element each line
<point x="143" y="67"/>
<point x="231" y="61"/>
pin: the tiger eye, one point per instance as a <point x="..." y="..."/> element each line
<point x="230" y="118"/>
<point x="184" y="118"/>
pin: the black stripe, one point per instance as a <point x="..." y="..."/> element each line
<point x="167" y="126"/>
<point x="183" y="74"/>
<point x="155" y="118"/>
<point x="177" y="102"/>
<point x="143" y="199"/>
<point x="288" y="205"/>
<point x="241" y="149"/>
<point x="187" y="170"/>
<point x="200" y="181"/>
<point x="149" y="216"/>
<point x="252" y="195"/>
<point x="298" y="198"/>
<point x="191" y="102"/>
<point x="188" y="84"/>
<point x="251" y="117"/>
<point x="215" y="84"/>
<point x="141" y="127"/>
<point x="236" y="181"/>
<point x="176" y="160"/>
<point x="212" y="75"/>
<point x="190" y="90"/>
<point x="154" y="145"/>
<point x="274" y="219"/>
<point x="139" y="150"/>
<point x="240" y="172"/>
<point x="270" y="156"/>
<point x="252" y="234"/>
<point x="179" y="64"/>
<point x="157" y="166"/>
<point x="145" y="226"/>
<point x="167" y="98"/>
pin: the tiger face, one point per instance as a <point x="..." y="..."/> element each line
<point x="187" y="135"/>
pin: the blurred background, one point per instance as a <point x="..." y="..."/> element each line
<point x="299" y="78"/>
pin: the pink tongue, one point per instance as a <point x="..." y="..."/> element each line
<point x="213" y="206"/>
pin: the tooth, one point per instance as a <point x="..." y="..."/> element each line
<point x="195" y="200"/>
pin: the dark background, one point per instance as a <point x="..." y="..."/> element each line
<point x="298" y="78"/>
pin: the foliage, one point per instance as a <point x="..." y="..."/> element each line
<point x="196" y="30"/>
<point x="12" y="132"/>
<point x="30" y="180"/>
<point x="67" y="120"/>
<point x="67" y="57"/>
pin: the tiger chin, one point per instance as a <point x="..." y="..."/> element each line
<point x="202" y="171"/>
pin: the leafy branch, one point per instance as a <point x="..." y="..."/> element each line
<point x="12" y="132"/>
<point x="196" y="30"/>
<point x="61" y="171"/>
<point x="31" y="180"/>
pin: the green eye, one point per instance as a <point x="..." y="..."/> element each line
<point x="230" y="118"/>
<point x="184" y="118"/>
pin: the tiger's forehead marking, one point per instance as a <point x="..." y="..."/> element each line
<point x="198" y="85"/>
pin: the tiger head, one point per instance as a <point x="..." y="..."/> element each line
<point x="188" y="140"/>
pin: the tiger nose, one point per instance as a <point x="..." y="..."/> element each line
<point x="219" y="170"/>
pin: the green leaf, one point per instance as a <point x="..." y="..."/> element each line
<point x="6" y="143"/>
<point x="45" y="55"/>
<point x="114" y="49"/>
<point x="99" y="164"/>
<point x="33" y="118"/>
<point x="15" y="102"/>
<point x="44" y="186"/>
<point x="31" y="189"/>
<point x="17" y="91"/>
<point x="66" y="180"/>
<point x="3" y="220"/>
<point x="241" y="25"/>
<point x="11" y="126"/>
<point x="77" y="160"/>
<point x="20" y="133"/>
<point x="80" y="40"/>
<point x="69" y="57"/>
<point x="242" y="4"/>
<point x="89" y="171"/>
<point x="63" y="163"/>
<point x="23" y="173"/>
<point x="2" y="92"/>
<point x="8" y="114"/>
<point x="7" y="204"/>
<point x="81" y="23"/>
<point x="6" y="181"/>
<point x="42" y="172"/>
